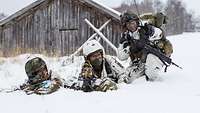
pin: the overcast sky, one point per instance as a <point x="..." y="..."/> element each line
<point x="11" y="6"/>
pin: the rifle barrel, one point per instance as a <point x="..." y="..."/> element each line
<point x="177" y="65"/>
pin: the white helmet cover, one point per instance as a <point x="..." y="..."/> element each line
<point x="92" y="46"/>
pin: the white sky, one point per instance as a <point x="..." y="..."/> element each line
<point x="11" y="6"/>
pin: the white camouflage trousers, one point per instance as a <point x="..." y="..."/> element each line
<point x="151" y="69"/>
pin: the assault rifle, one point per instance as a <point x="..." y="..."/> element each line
<point x="147" y="48"/>
<point x="9" y="90"/>
<point x="20" y="88"/>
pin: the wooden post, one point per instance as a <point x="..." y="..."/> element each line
<point x="80" y="48"/>
<point x="102" y="36"/>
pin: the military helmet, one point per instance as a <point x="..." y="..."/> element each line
<point x="33" y="66"/>
<point x="92" y="46"/>
<point x="128" y="16"/>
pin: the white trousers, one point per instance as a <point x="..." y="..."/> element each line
<point x="151" y="69"/>
<point x="153" y="66"/>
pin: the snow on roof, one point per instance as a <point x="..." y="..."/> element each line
<point x="96" y="4"/>
<point x="113" y="12"/>
<point x="20" y="12"/>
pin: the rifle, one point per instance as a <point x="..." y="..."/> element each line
<point x="9" y="90"/>
<point x="166" y="60"/>
<point x="147" y="48"/>
<point x="20" y="88"/>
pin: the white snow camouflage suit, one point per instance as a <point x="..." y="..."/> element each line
<point x="112" y="73"/>
<point x="141" y="64"/>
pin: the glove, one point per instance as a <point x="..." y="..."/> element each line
<point x="87" y="72"/>
<point x="106" y="84"/>
<point x="122" y="79"/>
<point x="149" y="29"/>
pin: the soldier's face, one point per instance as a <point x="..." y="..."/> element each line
<point x="96" y="58"/>
<point x="95" y="55"/>
<point x="132" y="26"/>
<point x="43" y="73"/>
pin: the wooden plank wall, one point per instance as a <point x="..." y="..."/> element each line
<point x="55" y="28"/>
<point x="1" y="40"/>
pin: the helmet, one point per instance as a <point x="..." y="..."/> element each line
<point x="128" y="16"/>
<point x="91" y="46"/>
<point x="34" y="65"/>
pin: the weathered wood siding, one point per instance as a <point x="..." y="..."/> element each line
<point x="39" y="29"/>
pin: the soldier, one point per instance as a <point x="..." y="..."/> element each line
<point x="40" y="81"/>
<point x="132" y="43"/>
<point x="99" y="72"/>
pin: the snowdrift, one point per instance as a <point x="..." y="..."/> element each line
<point x="178" y="91"/>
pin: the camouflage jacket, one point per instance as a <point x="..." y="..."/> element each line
<point x="45" y="87"/>
<point x="89" y="80"/>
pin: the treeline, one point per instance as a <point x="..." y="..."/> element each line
<point x="179" y="19"/>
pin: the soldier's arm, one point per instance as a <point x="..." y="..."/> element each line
<point x="27" y="88"/>
<point x="124" y="48"/>
<point x="117" y="68"/>
<point x="162" y="42"/>
<point x="158" y="38"/>
<point x="87" y="77"/>
<point x="57" y="79"/>
<point x="87" y="71"/>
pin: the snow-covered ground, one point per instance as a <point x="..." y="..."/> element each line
<point x="177" y="92"/>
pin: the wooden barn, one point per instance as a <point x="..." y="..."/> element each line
<point x="56" y="27"/>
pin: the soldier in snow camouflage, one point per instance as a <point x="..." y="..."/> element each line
<point x="99" y="72"/>
<point x="132" y="43"/>
<point x="40" y="81"/>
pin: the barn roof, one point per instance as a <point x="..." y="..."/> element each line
<point x="115" y="14"/>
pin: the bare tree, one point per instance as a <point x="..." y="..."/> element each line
<point x="147" y="6"/>
<point x="179" y="19"/>
<point x="158" y="6"/>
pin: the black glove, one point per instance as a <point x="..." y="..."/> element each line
<point x="87" y="85"/>
<point x="149" y="30"/>
<point x="136" y="45"/>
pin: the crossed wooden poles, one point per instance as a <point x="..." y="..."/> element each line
<point x="98" y="32"/>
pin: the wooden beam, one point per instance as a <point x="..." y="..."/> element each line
<point x="102" y="36"/>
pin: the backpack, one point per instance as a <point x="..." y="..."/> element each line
<point x="156" y="20"/>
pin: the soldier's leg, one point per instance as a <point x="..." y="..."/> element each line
<point x="134" y="71"/>
<point x="153" y="66"/>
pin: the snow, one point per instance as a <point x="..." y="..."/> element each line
<point x="108" y="8"/>
<point x="178" y="91"/>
